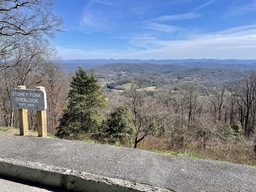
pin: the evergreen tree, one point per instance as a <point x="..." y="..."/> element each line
<point x="85" y="100"/>
<point x="119" y="125"/>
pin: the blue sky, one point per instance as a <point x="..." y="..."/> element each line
<point x="156" y="29"/>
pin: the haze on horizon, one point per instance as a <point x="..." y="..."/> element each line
<point x="143" y="29"/>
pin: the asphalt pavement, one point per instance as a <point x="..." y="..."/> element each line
<point x="9" y="185"/>
<point x="132" y="165"/>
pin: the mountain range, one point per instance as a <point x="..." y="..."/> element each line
<point x="72" y="65"/>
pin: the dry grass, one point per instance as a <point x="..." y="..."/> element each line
<point x="9" y="130"/>
<point x="16" y="131"/>
<point x="150" y="88"/>
<point x="240" y="153"/>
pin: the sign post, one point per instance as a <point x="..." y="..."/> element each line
<point x="41" y="116"/>
<point x="32" y="99"/>
<point x="23" y="118"/>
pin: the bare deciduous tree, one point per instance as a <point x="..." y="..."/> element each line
<point x="148" y="114"/>
<point x="24" y="25"/>
<point x="19" y="19"/>
<point x="245" y="99"/>
<point x="28" y="18"/>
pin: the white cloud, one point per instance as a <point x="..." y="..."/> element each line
<point x="158" y="23"/>
<point x="204" y="5"/>
<point x="236" y="43"/>
<point x="97" y="15"/>
<point x="177" y="17"/>
<point x="161" y="27"/>
<point x="241" y="9"/>
<point x="103" y="2"/>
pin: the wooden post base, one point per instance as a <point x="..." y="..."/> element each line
<point x="23" y="118"/>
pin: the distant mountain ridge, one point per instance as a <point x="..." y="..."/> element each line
<point x="117" y="74"/>
<point x="72" y="65"/>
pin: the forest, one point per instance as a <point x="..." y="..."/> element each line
<point x="155" y="112"/>
<point x="167" y="108"/>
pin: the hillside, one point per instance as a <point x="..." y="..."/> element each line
<point x="72" y="65"/>
<point x="145" y="74"/>
<point x="118" y="73"/>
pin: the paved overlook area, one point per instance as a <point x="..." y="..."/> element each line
<point x="83" y="166"/>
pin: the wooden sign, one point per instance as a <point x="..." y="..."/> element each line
<point x="31" y="99"/>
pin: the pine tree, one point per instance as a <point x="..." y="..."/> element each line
<point x="119" y="125"/>
<point x="85" y="100"/>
